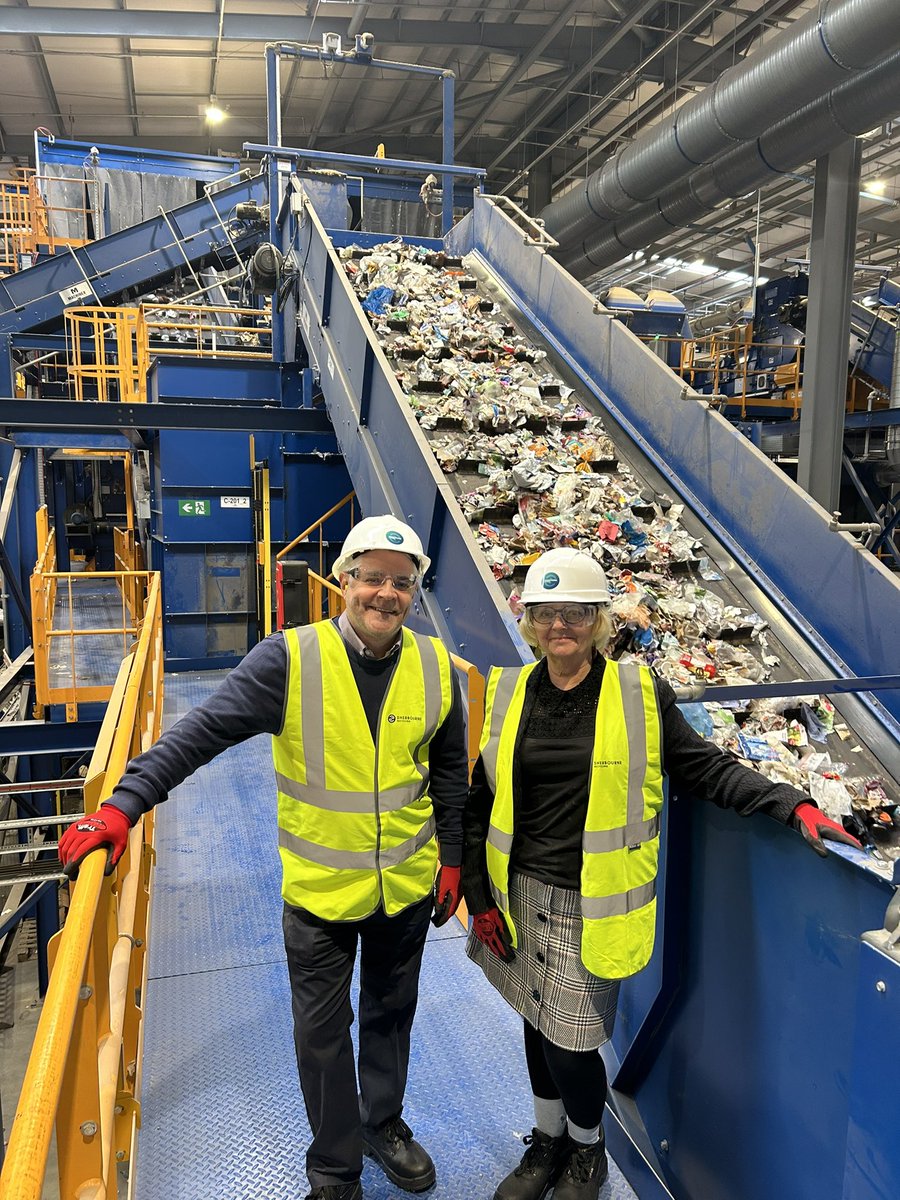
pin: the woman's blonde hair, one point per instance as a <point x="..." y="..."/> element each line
<point x="600" y="634"/>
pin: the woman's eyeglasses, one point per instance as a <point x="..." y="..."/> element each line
<point x="571" y="614"/>
<point x="377" y="579"/>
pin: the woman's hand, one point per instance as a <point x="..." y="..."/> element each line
<point x="490" y="929"/>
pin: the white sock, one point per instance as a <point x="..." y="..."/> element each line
<point x="585" y="1137"/>
<point x="550" y="1116"/>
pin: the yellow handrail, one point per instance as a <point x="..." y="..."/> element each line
<point x="301" y="537"/>
<point x="84" y="1071"/>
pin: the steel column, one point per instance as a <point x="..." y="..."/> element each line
<point x="540" y="186"/>
<point x="832" y="254"/>
<point x="448" y="87"/>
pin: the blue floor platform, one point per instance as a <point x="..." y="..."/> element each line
<point x="222" y="1113"/>
<point x="96" y="658"/>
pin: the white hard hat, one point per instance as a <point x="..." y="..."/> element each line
<point x="565" y="574"/>
<point x="381" y="533"/>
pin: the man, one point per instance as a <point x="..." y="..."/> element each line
<point x="371" y="770"/>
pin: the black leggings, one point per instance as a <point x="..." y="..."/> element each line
<point x="577" y="1077"/>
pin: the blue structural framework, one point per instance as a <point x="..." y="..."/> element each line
<point x="221" y="1108"/>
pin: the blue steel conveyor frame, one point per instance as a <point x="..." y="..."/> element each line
<point x="740" y="1060"/>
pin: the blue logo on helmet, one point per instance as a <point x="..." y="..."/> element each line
<point x="550" y="580"/>
<point x="393" y="536"/>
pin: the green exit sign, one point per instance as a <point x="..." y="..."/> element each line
<point x="193" y="508"/>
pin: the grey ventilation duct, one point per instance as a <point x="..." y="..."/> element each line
<point x="867" y="99"/>
<point x="800" y="64"/>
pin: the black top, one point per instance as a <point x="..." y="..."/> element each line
<point x="252" y="700"/>
<point x="551" y="775"/>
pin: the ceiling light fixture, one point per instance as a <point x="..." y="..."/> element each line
<point x="214" y="114"/>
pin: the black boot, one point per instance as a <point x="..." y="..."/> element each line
<point x="585" y="1173"/>
<point x="403" y="1160"/>
<point x="539" y="1169"/>
<point x="337" y="1191"/>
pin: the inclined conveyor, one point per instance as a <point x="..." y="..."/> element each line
<point x="748" y="1059"/>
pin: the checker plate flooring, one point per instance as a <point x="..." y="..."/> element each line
<point x="222" y="1113"/>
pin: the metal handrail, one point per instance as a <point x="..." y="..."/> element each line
<point x="301" y="537"/>
<point x="84" y="1068"/>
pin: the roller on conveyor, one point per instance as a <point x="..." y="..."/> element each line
<point x="711" y="1088"/>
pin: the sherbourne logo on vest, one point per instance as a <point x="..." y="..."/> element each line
<point x="550" y="580"/>
<point x="393" y="718"/>
<point x="393" y="536"/>
<point x="604" y="762"/>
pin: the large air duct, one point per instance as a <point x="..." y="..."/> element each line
<point x="865" y="100"/>
<point x="799" y="65"/>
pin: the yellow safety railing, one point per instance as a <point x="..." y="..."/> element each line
<point x="195" y="329"/>
<point x="28" y="219"/>
<point x="107" y="354"/>
<point x="325" y="600"/>
<point x="84" y="1072"/>
<point x="133" y="586"/>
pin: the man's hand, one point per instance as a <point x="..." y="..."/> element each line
<point x="490" y="928"/>
<point x="447" y="895"/>
<point x="108" y="827"/>
<point x="814" y="826"/>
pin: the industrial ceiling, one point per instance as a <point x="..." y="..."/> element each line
<point x="546" y="90"/>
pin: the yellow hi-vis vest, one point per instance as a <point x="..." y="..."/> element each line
<point x="355" y="822"/>
<point x="620" y="844"/>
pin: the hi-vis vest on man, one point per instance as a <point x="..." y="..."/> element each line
<point x="355" y="822"/>
<point x="621" y="836"/>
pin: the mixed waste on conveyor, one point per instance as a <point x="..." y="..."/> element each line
<point x="537" y="470"/>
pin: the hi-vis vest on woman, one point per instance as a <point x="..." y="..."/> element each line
<point x="621" y="836"/>
<point x="355" y="822"/>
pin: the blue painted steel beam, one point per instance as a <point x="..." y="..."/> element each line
<point x="90" y="415"/>
<point x="133" y="158"/>
<point x="48" y="737"/>
<point x="139" y="257"/>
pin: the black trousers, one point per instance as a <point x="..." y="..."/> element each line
<point x="321" y="956"/>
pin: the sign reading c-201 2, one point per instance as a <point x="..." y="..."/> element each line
<point x="193" y="508"/>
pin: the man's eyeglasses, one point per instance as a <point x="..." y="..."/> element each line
<point x="377" y="579"/>
<point x="571" y="614"/>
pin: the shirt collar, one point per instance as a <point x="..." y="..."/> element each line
<point x="355" y="642"/>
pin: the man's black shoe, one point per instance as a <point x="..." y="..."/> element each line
<point x="337" y="1191"/>
<point x="541" y="1166"/>
<point x="585" y="1172"/>
<point x="403" y="1160"/>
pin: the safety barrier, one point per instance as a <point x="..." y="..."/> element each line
<point x="84" y="1072"/>
<point x="30" y="222"/>
<point x="325" y="600"/>
<point x="132" y="586"/>
<point x="206" y="331"/>
<point x="107" y="354"/>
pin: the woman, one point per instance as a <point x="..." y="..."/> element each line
<point x="561" y="848"/>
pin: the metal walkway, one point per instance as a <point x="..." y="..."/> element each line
<point x="222" y="1115"/>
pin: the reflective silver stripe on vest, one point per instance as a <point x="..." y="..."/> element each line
<point x="501" y="897"/>
<point x="601" y="841"/>
<point x="350" y="802"/>
<point x="355" y="860"/>
<point x="312" y="708"/>
<point x="595" y="908"/>
<point x="502" y="842"/>
<point x="395" y="855"/>
<point x="636" y="731"/>
<point x="431" y="673"/>
<point x="502" y="699"/>
<point x="325" y="856"/>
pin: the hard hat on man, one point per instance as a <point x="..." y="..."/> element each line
<point x="381" y="533"/>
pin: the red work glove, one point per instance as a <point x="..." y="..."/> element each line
<point x="490" y="928"/>
<point x="447" y="895"/>
<point x="814" y="825"/>
<point x="108" y="827"/>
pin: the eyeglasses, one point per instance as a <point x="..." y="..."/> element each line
<point x="377" y="579"/>
<point x="571" y="614"/>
